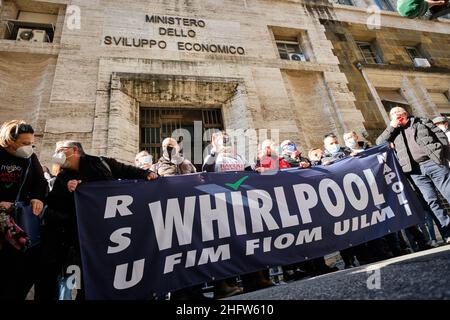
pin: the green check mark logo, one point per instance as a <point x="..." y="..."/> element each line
<point x="237" y="184"/>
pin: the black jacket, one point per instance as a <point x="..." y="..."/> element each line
<point x="427" y="135"/>
<point x="12" y="171"/>
<point x="364" y="145"/>
<point x="344" y="152"/>
<point x="61" y="214"/>
<point x="295" y="162"/>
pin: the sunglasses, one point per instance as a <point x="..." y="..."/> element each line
<point x="22" y="128"/>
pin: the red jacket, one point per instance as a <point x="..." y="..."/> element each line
<point x="271" y="163"/>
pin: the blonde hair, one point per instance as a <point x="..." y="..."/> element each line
<point x="9" y="131"/>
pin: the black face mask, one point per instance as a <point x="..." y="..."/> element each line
<point x="169" y="152"/>
<point x="226" y="141"/>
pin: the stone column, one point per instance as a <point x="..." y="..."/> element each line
<point x="123" y="124"/>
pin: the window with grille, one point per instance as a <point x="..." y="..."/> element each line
<point x="369" y="53"/>
<point x="290" y="50"/>
<point x="414" y="53"/>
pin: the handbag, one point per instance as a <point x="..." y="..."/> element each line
<point x="25" y="218"/>
<point x="28" y="222"/>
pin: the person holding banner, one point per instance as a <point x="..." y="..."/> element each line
<point x="333" y="150"/>
<point x="171" y="164"/>
<point x="269" y="161"/>
<point x="422" y="150"/>
<point x="292" y="155"/>
<point x="143" y="160"/>
<point x="60" y="244"/>
<point x="352" y="142"/>
<point x="315" y="156"/>
<point x="21" y="179"/>
<point x="224" y="158"/>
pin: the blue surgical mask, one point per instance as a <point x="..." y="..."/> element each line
<point x="351" y="143"/>
<point x="334" y="148"/>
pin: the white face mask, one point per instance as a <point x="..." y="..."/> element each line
<point x="60" y="159"/>
<point x="146" y="160"/>
<point x="24" y="152"/>
<point x="334" y="148"/>
<point x="350" y="143"/>
<point x="47" y="176"/>
<point x="443" y="127"/>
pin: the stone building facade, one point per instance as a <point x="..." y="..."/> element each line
<point x="119" y="75"/>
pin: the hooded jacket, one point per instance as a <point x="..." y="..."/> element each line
<point x="343" y="152"/>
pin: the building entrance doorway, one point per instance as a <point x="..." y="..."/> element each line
<point x="156" y="124"/>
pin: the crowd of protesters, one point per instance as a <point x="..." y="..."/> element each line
<point x="421" y="145"/>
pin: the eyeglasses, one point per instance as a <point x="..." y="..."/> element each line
<point x="61" y="149"/>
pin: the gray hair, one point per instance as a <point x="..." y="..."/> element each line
<point x="70" y="144"/>
<point x="397" y="109"/>
<point x="142" y="153"/>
